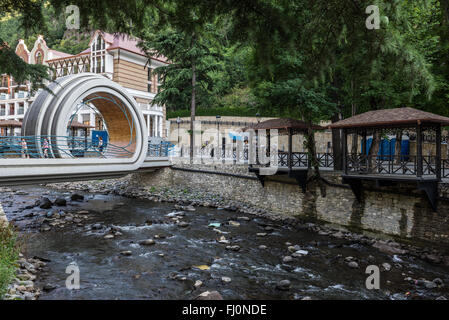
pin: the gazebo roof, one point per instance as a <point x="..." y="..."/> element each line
<point x="284" y="124"/>
<point x="10" y="123"/>
<point x="79" y="125"/>
<point x="390" y="117"/>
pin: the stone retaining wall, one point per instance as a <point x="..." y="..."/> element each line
<point x="400" y="211"/>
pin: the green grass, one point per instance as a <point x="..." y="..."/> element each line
<point x="9" y="254"/>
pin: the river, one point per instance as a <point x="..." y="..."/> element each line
<point x="187" y="248"/>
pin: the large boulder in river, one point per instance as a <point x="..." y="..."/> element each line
<point x="45" y="203"/>
<point x="77" y="197"/>
<point x="387" y="248"/>
<point x="60" y="202"/>
<point x="209" y="295"/>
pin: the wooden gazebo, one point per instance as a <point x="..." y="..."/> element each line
<point x="293" y="164"/>
<point x="9" y="125"/>
<point x="390" y="169"/>
<point x="75" y="125"/>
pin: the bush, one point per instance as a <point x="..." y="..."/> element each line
<point x="9" y="254"/>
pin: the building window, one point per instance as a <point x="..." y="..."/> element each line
<point x="39" y="57"/>
<point x="98" y="55"/>
<point x="86" y="119"/>
<point x="21" y="109"/>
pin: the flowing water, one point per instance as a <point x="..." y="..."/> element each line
<point x="169" y="268"/>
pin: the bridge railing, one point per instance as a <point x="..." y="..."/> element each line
<point x="56" y="147"/>
<point x="158" y="150"/>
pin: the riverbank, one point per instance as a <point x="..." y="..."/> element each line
<point x="17" y="274"/>
<point x="190" y="197"/>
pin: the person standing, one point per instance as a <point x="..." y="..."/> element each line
<point x="100" y="145"/>
<point x="45" y="146"/>
<point x="24" y="147"/>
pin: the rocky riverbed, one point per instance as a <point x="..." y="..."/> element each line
<point x="148" y="243"/>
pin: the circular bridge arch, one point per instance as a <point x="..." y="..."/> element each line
<point x="52" y="111"/>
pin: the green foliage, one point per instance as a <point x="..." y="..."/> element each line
<point x="330" y="61"/>
<point x="9" y="253"/>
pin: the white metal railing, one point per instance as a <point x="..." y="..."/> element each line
<point x="149" y="107"/>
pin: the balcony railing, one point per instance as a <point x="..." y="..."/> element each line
<point x="389" y="164"/>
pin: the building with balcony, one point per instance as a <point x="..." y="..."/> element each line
<point x="117" y="57"/>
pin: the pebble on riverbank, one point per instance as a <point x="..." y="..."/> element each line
<point x="23" y="287"/>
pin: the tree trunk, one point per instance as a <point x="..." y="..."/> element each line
<point x="398" y="146"/>
<point x="336" y="144"/>
<point x="353" y="113"/>
<point x="192" y="110"/>
<point x="373" y="150"/>
<point x="311" y="149"/>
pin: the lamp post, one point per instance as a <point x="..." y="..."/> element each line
<point x="218" y="134"/>
<point x="178" y="121"/>
<point x="257" y="139"/>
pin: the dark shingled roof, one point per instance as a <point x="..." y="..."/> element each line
<point x="389" y="117"/>
<point x="284" y="124"/>
<point x="10" y="123"/>
<point x="79" y="125"/>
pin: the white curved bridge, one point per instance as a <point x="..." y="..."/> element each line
<point x="44" y="153"/>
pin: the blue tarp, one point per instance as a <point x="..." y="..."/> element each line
<point x="100" y="133"/>
<point x="388" y="147"/>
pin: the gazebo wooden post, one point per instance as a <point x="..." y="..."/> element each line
<point x="419" y="162"/>
<point x="257" y="146"/>
<point x="85" y="138"/>
<point x="438" y="151"/>
<point x="268" y="152"/>
<point x="290" y="147"/>
<point x="345" y="150"/>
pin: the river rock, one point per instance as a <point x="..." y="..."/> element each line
<point x="287" y="259"/>
<point x="438" y="282"/>
<point x="126" y="253"/>
<point x="77" y="197"/>
<point x="226" y="279"/>
<point x="209" y="295"/>
<point x="433" y="258"/>
<point x="198" y="283"/>
<point x="60" y="202"/>
<point x="430" y="284"/>
<point x="387" y="248"/>
<point x="300" y="253"/>
<point x="293" y="248"/>
<point x="147" y="242"/>
<point x="353" y="265"/>
<point x="262" y="247"/>
<point x="386" y="266"/>
<point x="109" y="236"/>
<point x="49" y="287"/>
<point x="45" y="203"/>
<point x="183" y="224"/>
<point x="283" y="285"/>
